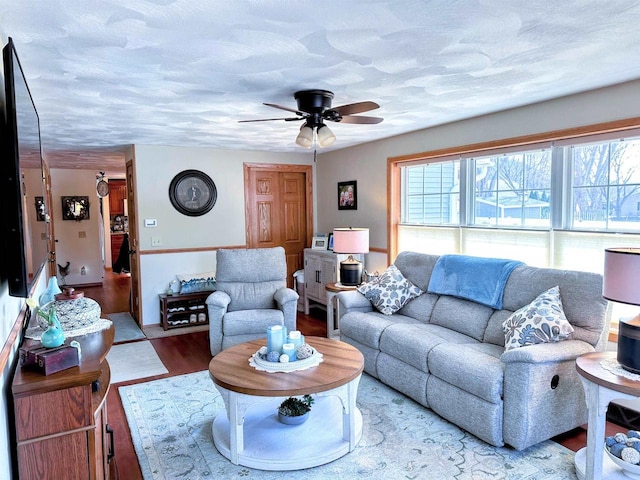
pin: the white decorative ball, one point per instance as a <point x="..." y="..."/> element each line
<point x="263" y="351"/>
<point x="620" y="437"/>
<point x="304" y="351"/>
<point x="630" y="455"/>
<point x="284" y="358"/>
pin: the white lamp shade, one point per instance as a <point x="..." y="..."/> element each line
<point x="621" y="275"/>
<point x="351" y="240"/>
<point x="305" y="137"/>
<point x="325" y="136"/>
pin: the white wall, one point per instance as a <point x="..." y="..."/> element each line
<point x="9" y="311"/>
<point x="77" y="242"/>
<point x="32" y="178"/>
<point x="223" y="226"/>
<point x="368" y="163"/>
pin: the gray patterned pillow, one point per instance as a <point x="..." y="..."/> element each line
<point x="390" y="291"/>
<point x="542" y="321"/>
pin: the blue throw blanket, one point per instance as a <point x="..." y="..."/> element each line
<point x="481" y="280"/>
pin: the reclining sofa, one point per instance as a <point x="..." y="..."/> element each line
<point x="448" y="353"/>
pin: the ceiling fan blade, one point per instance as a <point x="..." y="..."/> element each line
<point x="297" y="112"/>
<point x="289" y="119"/>
<point x="359" y="107"/>
<point x="360" y="119"/>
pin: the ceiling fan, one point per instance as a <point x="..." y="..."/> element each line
<point x="314" y="107"/>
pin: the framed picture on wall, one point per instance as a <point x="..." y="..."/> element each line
<point x="40" y="209"/>
<point x="348" y="195"/>
<point x="75" y="208"/>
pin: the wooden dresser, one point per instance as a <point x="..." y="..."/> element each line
<point x="61" y="419"/>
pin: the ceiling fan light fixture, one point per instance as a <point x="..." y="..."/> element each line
<point x="305" y="137"/>
<point x="325" y="136"/>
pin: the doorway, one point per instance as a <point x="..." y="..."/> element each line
<point x="279" y="210"/>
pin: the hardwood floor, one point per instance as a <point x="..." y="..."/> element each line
<point x="189" y="353"/>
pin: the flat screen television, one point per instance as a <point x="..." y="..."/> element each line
<point x="22" y="192"/>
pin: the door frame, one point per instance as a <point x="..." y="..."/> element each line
<point x="307" y="170"/>
<point x="135" y="295"/>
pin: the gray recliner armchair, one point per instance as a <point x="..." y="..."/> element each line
<point x="251" y="294"/>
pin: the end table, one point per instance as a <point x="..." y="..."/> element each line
<point x="601" y="386"/>
<point x="333" y="289"/>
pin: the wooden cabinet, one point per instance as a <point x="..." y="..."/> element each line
<point x="183" y="310"/>
<point x="117" y="194"/>
<point x="320" y="268"/>
<point x="61" y="419"/>
<point x="116" y="243"/>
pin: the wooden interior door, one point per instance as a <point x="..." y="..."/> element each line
<point x="135" y="306"/>
<point x="279" y="210"/>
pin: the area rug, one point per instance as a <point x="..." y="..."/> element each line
<point x="170" y="422"/>
<point x="156" y="331"/>
<point x="130" y="361"/>
<point x="126" y="327"/>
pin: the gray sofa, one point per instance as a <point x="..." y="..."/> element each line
<point x="448" y="354"/>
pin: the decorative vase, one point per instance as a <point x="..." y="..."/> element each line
<point x="53" y="336"/>
<point x="293" y="420"/>
<point x="49" y="295"/>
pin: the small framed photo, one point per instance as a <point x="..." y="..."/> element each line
<point x="330" y="244"/>
<point x="348" y="195"/>
<point x="319" y="243"/>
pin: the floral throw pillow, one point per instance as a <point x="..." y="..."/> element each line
<point x="542" y="321"/>
<point x="390" y="291"/>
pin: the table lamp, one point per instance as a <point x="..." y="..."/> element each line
<point x="351" y="241"/>
<point x="621" y="284"/>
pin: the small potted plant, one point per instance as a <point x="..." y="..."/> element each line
<point x="294" y="411"/>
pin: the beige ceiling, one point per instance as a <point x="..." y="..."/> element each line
<point x="105" y="74"/>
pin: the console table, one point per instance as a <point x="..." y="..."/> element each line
<point x="601" y="387"/>
<point x="61" y="419"/>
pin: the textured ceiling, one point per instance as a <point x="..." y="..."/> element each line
<point x="109" y="73"/>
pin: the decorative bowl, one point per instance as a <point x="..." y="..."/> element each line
<point x="629" y="469"/>
<point x="260" y="363"/>
<point x="293" y="420"/>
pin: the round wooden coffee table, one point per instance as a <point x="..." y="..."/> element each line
<point x="250" y="434"/>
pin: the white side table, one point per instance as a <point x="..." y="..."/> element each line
<point x="601" y="387"/>
<point x="332" y="290"/>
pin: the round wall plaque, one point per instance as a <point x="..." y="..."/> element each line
<point x="102" y="188"/>
<point x="192" y="193"/>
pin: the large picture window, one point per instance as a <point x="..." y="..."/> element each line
<point x="556" y="202"/>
